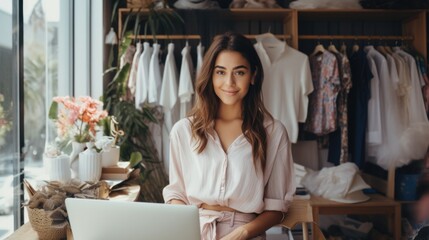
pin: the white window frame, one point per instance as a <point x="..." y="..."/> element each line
<point x="88" y="48"/>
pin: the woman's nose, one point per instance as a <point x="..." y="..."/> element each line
<point x="230" y="80"/>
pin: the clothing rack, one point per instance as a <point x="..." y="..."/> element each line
<point x="354" y="37"/>
<point x="149" y="37"/>
<point x="279" y="36"/>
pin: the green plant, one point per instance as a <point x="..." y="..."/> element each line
<point x="136" y="143"/>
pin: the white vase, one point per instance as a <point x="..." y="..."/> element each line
<point x="59" y="168"/>
<point x="90" y="164"/>
<point x="110" y="157"/>
<point x="77" y="148"/>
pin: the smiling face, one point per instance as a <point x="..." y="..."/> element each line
<point x="232" y="77"/>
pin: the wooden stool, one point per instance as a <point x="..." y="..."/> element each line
<point x="377" y="205"/>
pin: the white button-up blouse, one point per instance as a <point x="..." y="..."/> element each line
<point x="216" y="177"/>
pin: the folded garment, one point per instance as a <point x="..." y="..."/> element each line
<point x="341" y="183"/>
<point x="204" y="4"/>
<point x="332" y="4"/>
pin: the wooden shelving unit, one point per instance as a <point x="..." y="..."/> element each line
<point x="301" y="27"/>
<point x="412" y="22"/>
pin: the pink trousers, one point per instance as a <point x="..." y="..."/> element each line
<point x="215" y="225"/>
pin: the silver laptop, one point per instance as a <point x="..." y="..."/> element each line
<point x="114" y="220"/>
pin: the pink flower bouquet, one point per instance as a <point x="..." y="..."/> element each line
<point x="78" y="118"/>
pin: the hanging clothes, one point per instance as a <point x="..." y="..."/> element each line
<point x="322" y="116"/>
<point x="186" y="88"/>
<point x="154" y="76"/>
<point x="401" y="85"/>
<point x="127" y="57"/>
<point x="421" y="65"/>
<point x="388" y="153"/>
<point x="287" y="82"/>
<point x="374" y="117"/>
<point x="358" y="99"/>
<point x="415" y="138"/>
<point x="338" y="140"/>
<point x="142" y="79"/>
<point x="169" y="101"/>
<point x="134" y="68"/>
<point x="154" y="90"/>
<point x="200" y="56"/>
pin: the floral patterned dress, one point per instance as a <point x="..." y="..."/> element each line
<point x="322" y="113"/>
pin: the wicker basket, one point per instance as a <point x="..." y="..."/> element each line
<point x="42" y="224"/>
<point x="138" y="3"/>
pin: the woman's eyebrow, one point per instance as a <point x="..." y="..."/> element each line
<point x="217" y="66"/>
<point x="241" y="66"/>
<point x="237" y="67"/>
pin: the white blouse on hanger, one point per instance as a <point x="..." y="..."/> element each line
<point x="142" y="80"/>
<point x="168" y="97"/>
<point x="134" y="68"/>
<point x="374" y="119"/>
<point x="415" y="139"/>
<point x="388" y="153"/>
<point x="168" y="100"/>
<point x="154" y="76"/>
<point x="287" y="82"/>
<point x="186" y="88"/>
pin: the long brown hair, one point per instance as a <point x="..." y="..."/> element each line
<point x="207" y="103"/>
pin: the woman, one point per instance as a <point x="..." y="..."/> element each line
<point x="230" y="157"/>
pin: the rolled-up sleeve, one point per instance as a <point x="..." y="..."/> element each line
<point x="280" y="187"/>
<point x="176" y="187"/>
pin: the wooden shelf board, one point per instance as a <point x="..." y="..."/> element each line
<point x="356" y="14"/>
<point x="353" y="37"/>
<point x="150" y="37"/>
<point x="239" y="13"/>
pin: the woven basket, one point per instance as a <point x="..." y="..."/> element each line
<point x="138" y="3"/>
<point x="42" y="224"/>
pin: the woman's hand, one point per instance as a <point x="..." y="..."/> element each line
<point x="239" y="233"/>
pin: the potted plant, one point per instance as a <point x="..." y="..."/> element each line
<point x="77" y="121"/>
<point x="136" y="143"/>
<point x="46" y="207"/>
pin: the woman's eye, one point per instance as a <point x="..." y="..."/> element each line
<point x="240" y="73"/>
<point x="220" y="72"/>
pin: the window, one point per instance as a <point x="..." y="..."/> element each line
<point x="51" y="39"/>
<point x="8" y="120"/>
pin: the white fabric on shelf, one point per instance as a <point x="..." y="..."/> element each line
<point x="341" y="183"/>
<point x="287" y="82"/>
<point x="142" y="79"/>
<point x="186" y="88"/>
<point x="168" y="100"/>
<point x="134" y="68"/>
<point x="154" y="76"/>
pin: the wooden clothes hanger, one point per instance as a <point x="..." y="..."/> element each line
<point x="318" y="49"/>
<point x="332" y="48"/>
<point x="388" y="49"/>
<point x="268" y="39"/>
<point x="355" y="47"/>
<point x="343" y="48"/>
<point x="382" y="49"/>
